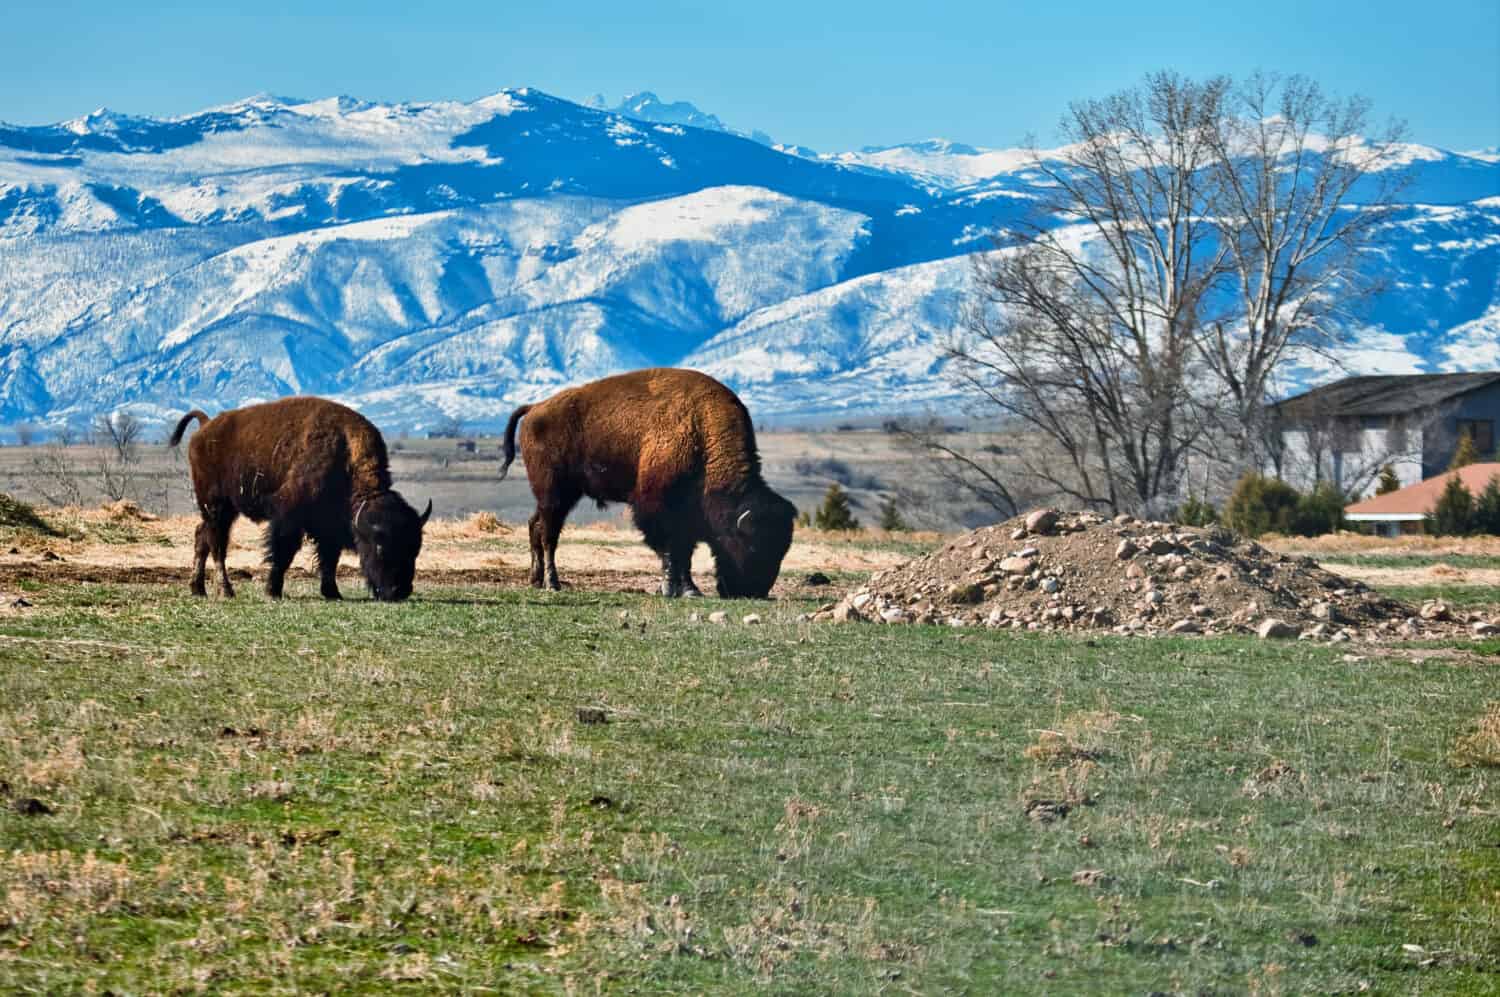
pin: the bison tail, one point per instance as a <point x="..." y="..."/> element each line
<point x="182" y="426"/>
<point x="510" y="438"/>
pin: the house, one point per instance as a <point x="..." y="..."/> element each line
<point x="1404" y="510"/>
<point x="1345" y="432"/>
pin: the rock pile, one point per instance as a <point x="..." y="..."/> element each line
<point x="1084" y="572"/>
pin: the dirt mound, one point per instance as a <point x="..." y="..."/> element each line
<point x="1083" y="572"/>
<point x="125" y="511"/>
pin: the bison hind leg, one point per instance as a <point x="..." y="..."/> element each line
<point x="283" y="540"/>
<point x="202" y="546"/>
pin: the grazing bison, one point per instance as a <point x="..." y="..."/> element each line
<point x="308" y="467"/>
<point x="680" y="448"/>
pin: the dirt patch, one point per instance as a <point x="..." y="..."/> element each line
<point x="478" y="550"/>
<point x="1083" y="572"/>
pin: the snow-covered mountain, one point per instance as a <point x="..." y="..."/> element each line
<point x="428" y="259"/>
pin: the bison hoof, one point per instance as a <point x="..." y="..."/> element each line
<point x="332" y="594"/>
<point x="198" y="590"/>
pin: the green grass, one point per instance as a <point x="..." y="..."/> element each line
<point x="292" y="797"/>
<point x="1478" y="597"/>
<point x="1411" y="560"/>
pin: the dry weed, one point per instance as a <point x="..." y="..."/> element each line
<point x="1481" y="748"/>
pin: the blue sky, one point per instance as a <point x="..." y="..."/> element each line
<point x="831" y="75"/>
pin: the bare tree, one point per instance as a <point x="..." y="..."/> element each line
<point x="1086" y="332"/>
<point x="1191" y="237"/>
<point x="1301" y="182"/>
<point x="120" y="431"/>
<point x="979" y="476"/>
<point x="55" y="477"/>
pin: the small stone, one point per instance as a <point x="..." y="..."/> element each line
<point x="1436" y="610"/>
<point x="1135" y="571"/>
<point x="1015" y="565"/>
<point x="1050" y="585"/>
<point x="861" y="600"/>
<point x="1028" y="552"/>
<point x="1041" y="521"/>
<point x="1126" y="550"/>
<point x="1160" y="545"/>
<point x="1201" y="610"/>
<point x="817" y="578"/>
<point x="1185" y="627"/>
<point x="1482" y="629"/>
<point x="720" y="617"/>
<point x="893" y="615"/>
<point x="591" y="715"/>
<point x="966" y="595"/>
<point x="1124" y="519"/>
<point x="1341" y="636"/>
<point x="751" y="619"/>
<point x="1155" y="598"/>
<point x="1277" y="630"/>
<point x="1019" y="533"/>
<point x="1181" y="571"/>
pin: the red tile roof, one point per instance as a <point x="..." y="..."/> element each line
<point x="1415" y="500"/>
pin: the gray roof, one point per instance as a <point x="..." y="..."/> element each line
<point x="1386" y="394"/>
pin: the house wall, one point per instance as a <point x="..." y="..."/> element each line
<point x="1370" y="450"/>
<point x="1439" y="447"/>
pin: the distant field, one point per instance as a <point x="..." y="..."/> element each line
<point x="801" y="465"/>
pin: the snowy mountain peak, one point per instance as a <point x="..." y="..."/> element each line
<point x="930" y="146"/>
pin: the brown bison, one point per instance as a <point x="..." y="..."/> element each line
<point x="307" y="467"/>
<point x="679" y="447"/>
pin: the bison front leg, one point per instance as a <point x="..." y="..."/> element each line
<point x="329" y="550"/>
<point x="680" y="560"/>
<point x="282" y="543"/>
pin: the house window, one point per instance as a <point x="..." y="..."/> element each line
<point x="1482" y="432"/>
<point x="1374" y="421"/>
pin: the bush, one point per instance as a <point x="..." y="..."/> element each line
<point x="1388" y="481"/>
<point x="1195" y="512"/>
<point x="834" y="513"/>
<point x="1487" y="508"/>
<point x="891" y="519"/>
<point x="1466" y="453"/>
<point x="1453" y="515"/>
<point x="1260" y="504"/>
<point x="18" y="515"/>
<point x="1318" y="512"/>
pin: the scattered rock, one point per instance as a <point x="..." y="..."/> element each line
<point x="718" y="616"/>
<point x="1042" y="521"/>
<point x="1186" y="627"/>
<point x="1126" y="550"/>
<point x="590" y="715"/>
<point x="1015" y="565"/>
<point x="1277" y="630"/>
<point x="966" y="595"/>
<point x="817" y="578"/>
<point x="1483" y="629"/>
<point x="751" y="619"/>
<point x="1436" y="609"/>
<point x="30" y="806"/>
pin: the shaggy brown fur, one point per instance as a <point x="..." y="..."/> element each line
<point x="308" y="467"/>
<point x="680" y="448"/>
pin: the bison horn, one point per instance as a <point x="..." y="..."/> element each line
<point x="743" y="523"/>
<point x="428" y="512"/>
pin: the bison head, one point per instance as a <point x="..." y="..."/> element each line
<point x="749" y="548"/>
<point x="388" y="538"/>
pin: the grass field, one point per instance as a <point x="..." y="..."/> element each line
<point x="492" y="790"/>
